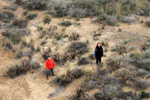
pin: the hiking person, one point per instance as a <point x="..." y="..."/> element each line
<point x="50" y="66"/>
<point x="98" y="53"/>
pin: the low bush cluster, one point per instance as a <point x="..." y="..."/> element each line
<point x="23" y="67"/>
<point x="69" y="76"/>
<point x="115" y="92"/>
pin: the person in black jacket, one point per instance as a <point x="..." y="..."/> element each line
<point x="98" y="53"/>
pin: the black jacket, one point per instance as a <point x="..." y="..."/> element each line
<point x="98" y="52"/>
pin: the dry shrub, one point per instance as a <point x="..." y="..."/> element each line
<point x="6" y="16"/>
<point x="21" y="23"/>
<point x="120" y="49"/>
<point x="83" y="61"/>
<point x="6" y="33"/>
<point x="123" y="75"/>
<point x="78" y="48"/>
<point x="7" y="44"/>
<point x="115" y="92"/>
<point x="141" y="59"/>
<point x="23" y="67"/>
<point x="114" y="63"/>
<point x="69" y="76"/>
<point x="80" y="94"/>
<point x="105" y="43"/>
<point x="35" y="4"/>
<point x="46" y="53"/>
<point x="140" y="84"/>
<point x="74" y="36"/>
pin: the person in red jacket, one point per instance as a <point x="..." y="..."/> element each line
<point x="49" y="66"/>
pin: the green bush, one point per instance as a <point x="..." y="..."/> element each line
<point x="147" y="23"/>
<point x="15" y="38"/>
<point x="66" y="23"/>
<point x="119" y="29"/>
<point x="59" y="37"/>
<point x="47" y="19"/>
<point x="31" y="16"/>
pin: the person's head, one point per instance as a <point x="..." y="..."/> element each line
<point x="49" y="57"/>
<point x="98" y="44"/>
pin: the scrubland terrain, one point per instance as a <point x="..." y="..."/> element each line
<point x="69" y="30"/>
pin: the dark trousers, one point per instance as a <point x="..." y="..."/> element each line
<point x="49" y="72"/>
<point x="98" y="60"/>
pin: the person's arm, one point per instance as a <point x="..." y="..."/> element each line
<point x="46" y="64"/>
<point x="95" y="52"/>
<point x="102" y="51"/>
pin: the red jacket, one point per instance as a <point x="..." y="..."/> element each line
<point x="50" y="64"/>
